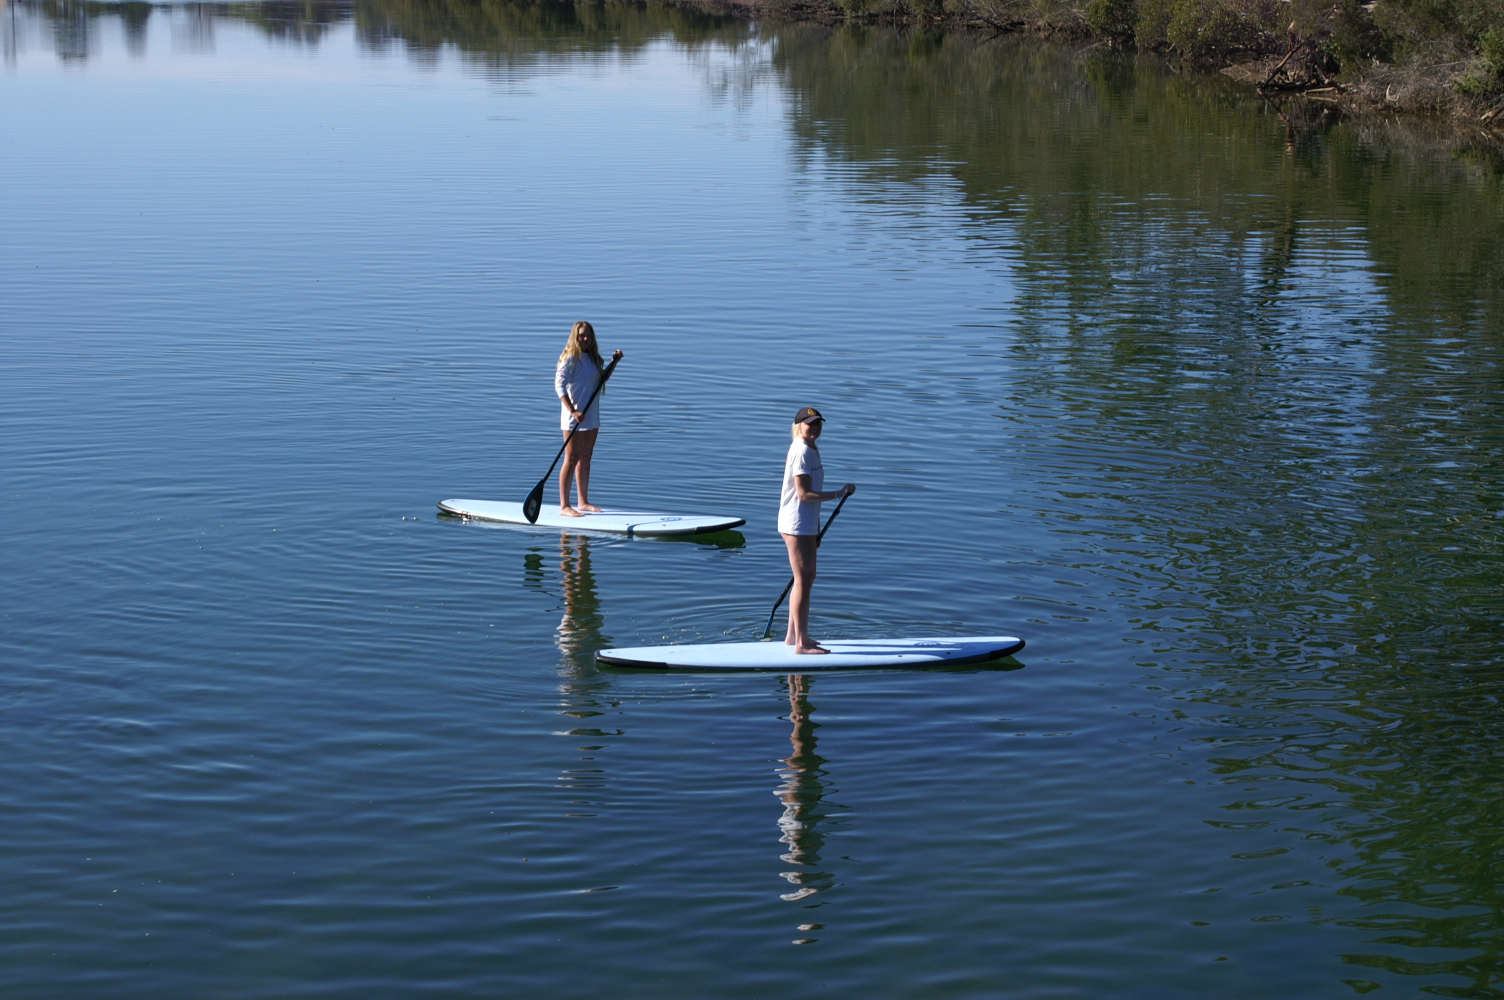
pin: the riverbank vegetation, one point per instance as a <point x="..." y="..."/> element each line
<point x="1375" y="58"/>
<point x="1428" y="56"/>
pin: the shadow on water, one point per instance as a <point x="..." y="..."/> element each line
<point x="714" y="539"/>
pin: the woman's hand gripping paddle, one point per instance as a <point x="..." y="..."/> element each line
<point x="767" y="633"/>
<point x="534" y="502"/>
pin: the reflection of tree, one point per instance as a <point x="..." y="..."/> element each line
<point x="505" y="37"/>
<point x="290" y="20"/>
<point x="8" y="38"/>
<point x="193" y="30"/>
<point x="1254" y="370"/>
<point x="1410" y="808"/>
<point x="133" y="17"/>
<point x="801" y="792"/>
<point x="1112" y="174"/>
<point x="522" y="36"/>
<point x="71" y="28"/>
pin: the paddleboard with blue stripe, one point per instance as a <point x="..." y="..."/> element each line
<point x="845" y="654"/>
<point x="626" y="522"/>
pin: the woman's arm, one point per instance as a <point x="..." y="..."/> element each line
<point x="807" y="495"/>
<point x="563" y="375"/>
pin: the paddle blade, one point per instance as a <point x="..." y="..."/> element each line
<point x="534" y="502"/>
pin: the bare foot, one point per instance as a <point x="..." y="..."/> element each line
<point x="811" y="649"/>
<point x="591" y="508"/>
<point x="570" y="512"/>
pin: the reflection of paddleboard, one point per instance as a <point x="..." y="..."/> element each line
<point x="845" y="654"/>
<point x="629" y="522"/>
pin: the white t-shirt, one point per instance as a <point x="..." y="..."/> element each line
<point x="794" y="517"/>
<point x="579" y="376"/>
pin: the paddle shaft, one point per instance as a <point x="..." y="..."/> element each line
<point x="534" y="501"/>
<point x="769" y="630"/>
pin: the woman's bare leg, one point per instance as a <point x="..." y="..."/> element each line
<point x="802" y="562"/>
<point x="576" y="469"/>
<point x="586" y="441"/>
<point x="566" y="475"/>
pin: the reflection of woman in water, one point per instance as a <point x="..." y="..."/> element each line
<point x="800" y="793"/>
<point x="579" y="371"/>
<point x="580" y="628"/>
<point x="799" y="520"/>
<point x="581" y="686"/>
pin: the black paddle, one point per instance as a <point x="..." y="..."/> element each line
<point x="768" y="632"/>
<point x="534" y="501"/>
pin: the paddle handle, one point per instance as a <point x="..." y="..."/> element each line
<point x="534" y="502"/>
<point x="768" y="632"/>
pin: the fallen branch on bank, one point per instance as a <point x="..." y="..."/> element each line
<point x="1305" y="74"/>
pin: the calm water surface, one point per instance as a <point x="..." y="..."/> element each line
<point x="1199" y="397"/>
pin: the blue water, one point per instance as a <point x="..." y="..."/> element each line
<point x="275" y="727"/>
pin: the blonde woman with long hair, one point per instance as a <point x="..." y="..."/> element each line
<point x="799" y="520"/>
<point x="576" y="377"/>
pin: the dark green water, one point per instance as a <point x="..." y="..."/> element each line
<point x="1198" y="395"/>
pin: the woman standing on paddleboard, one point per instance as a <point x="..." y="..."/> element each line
<point x="579" y="372"/>
<point x="799" y="520"/>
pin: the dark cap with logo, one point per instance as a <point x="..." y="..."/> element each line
<point x="807" y="414"/>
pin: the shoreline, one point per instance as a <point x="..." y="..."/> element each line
<point x="1424" y="94"/>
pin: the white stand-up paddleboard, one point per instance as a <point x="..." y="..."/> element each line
<point x="628" y="522"/>
<point x="845" y="654"/>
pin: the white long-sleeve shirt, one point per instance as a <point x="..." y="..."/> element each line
<point x="578" y="378"/>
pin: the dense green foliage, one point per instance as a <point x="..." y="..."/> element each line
<point x="1351" y="32"/>
<point x="1487" y="74"/>
<point x="1440" y="31"/>
<point x="1434" y="26"/>
<point x="1354" y="38"/>
<point x="1335" y="36"/>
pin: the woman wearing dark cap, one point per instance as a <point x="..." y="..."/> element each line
<point x="799" y="520"/>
